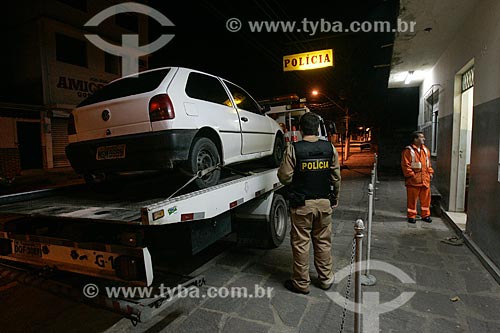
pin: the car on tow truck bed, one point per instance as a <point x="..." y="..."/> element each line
<point x="169" y="118"/>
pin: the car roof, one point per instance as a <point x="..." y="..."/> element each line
<point x="171" y="67"/>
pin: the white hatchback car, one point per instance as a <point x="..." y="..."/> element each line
<point x="170" y="118"/>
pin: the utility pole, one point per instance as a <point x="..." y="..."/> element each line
<point x="345" y="141"/>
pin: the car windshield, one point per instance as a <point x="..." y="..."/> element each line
<point x="133" y="85"/>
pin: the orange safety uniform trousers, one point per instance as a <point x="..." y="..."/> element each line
<point x="413" y="193"/>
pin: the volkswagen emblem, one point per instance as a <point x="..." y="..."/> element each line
<point x="105" y="115"/>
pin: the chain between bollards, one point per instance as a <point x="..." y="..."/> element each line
<point x="358" y="235"/>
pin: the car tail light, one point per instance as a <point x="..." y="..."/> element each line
<point x="71" y="125"/>
<point x="161" y="108"/>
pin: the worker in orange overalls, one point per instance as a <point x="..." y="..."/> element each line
<point x="418" y="172"/>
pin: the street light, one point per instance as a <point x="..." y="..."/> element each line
<point x="346" y="112"/>
<point x="316" y="93"/>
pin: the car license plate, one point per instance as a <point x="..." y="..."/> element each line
<point x="110" y="152"/>
<point x="28" y="249"/>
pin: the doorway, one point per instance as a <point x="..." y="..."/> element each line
<point x="462" y="141"/>
<point x="30" y="145"/>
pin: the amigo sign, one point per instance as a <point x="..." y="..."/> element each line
<point x="308" y="60"/>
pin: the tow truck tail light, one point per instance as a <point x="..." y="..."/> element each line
<point x="161" y="108"/>
<point x="71" y="125"/>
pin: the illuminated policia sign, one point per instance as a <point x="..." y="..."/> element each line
<point x="308" y="60"/>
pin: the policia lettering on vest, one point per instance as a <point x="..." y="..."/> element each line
<point x="311" y="172"/>
<point x="314" y="165"/>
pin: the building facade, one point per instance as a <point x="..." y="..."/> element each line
<point x="51" y="68"/>
<point x="459" y="111"/>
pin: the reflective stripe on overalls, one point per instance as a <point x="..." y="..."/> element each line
<point x="413" y="157"/>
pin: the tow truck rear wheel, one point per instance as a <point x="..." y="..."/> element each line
<point x="203" y="155"/>
<point x="278" y="221"/>
<point x="262" y="231"/>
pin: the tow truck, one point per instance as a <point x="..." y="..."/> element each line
<point x="115" y="235"/>
<point x="288" y="116"/>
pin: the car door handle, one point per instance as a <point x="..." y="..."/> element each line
<point x="245" y="119"/>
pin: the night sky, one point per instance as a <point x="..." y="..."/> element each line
<point x="254" y="60"/>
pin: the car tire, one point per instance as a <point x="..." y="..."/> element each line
<point x="95" y="178"/>
<point x="98" y="181"/>
<point x="278" y="152"/>
<point x="89" y="178"/>
<point x="204" y="154"/>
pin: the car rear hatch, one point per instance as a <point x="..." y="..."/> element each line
<point x="121" y="107"/>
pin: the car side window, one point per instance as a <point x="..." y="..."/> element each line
<point x="243" y="100"/>
<point x="206" y="88"/>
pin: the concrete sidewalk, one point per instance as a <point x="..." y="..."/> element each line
<point x="453" y="291"/>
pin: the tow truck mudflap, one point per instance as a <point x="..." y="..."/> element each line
<point x="115" y="262"/>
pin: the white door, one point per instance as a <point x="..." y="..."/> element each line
<point x="209" y="104"/>
<point x="464" y="150"/>
<point x="257" y="133"/>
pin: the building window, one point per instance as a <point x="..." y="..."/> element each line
<point x="143" y="64"/>
<point x="431" y="120"/>
<point x="112" y="64"/>
<point x="468" y="79"/>
<point x="78" y="4"/>
<point x="435" y="124"/>
<point x="71" y="50"/>
<point x="129" y="21"/>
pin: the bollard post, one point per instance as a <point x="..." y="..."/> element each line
<point x="358" y="234"/>
<point x="372" y="181"/>
<point x="367" y="279"/>
<point x="376" y="169"/>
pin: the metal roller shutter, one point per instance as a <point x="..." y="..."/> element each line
<point x="59" y="141"/>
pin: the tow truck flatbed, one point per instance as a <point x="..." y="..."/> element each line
<point x="111" y="233"/>
<point x="131" y="204"/>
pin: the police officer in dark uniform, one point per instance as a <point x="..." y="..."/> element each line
<point x="311" y="171"/>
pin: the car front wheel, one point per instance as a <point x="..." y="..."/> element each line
<point x="279" y="150"/>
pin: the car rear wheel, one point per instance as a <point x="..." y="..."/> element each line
<point x="95" y="178"/>
<point x="203" y="155"/>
